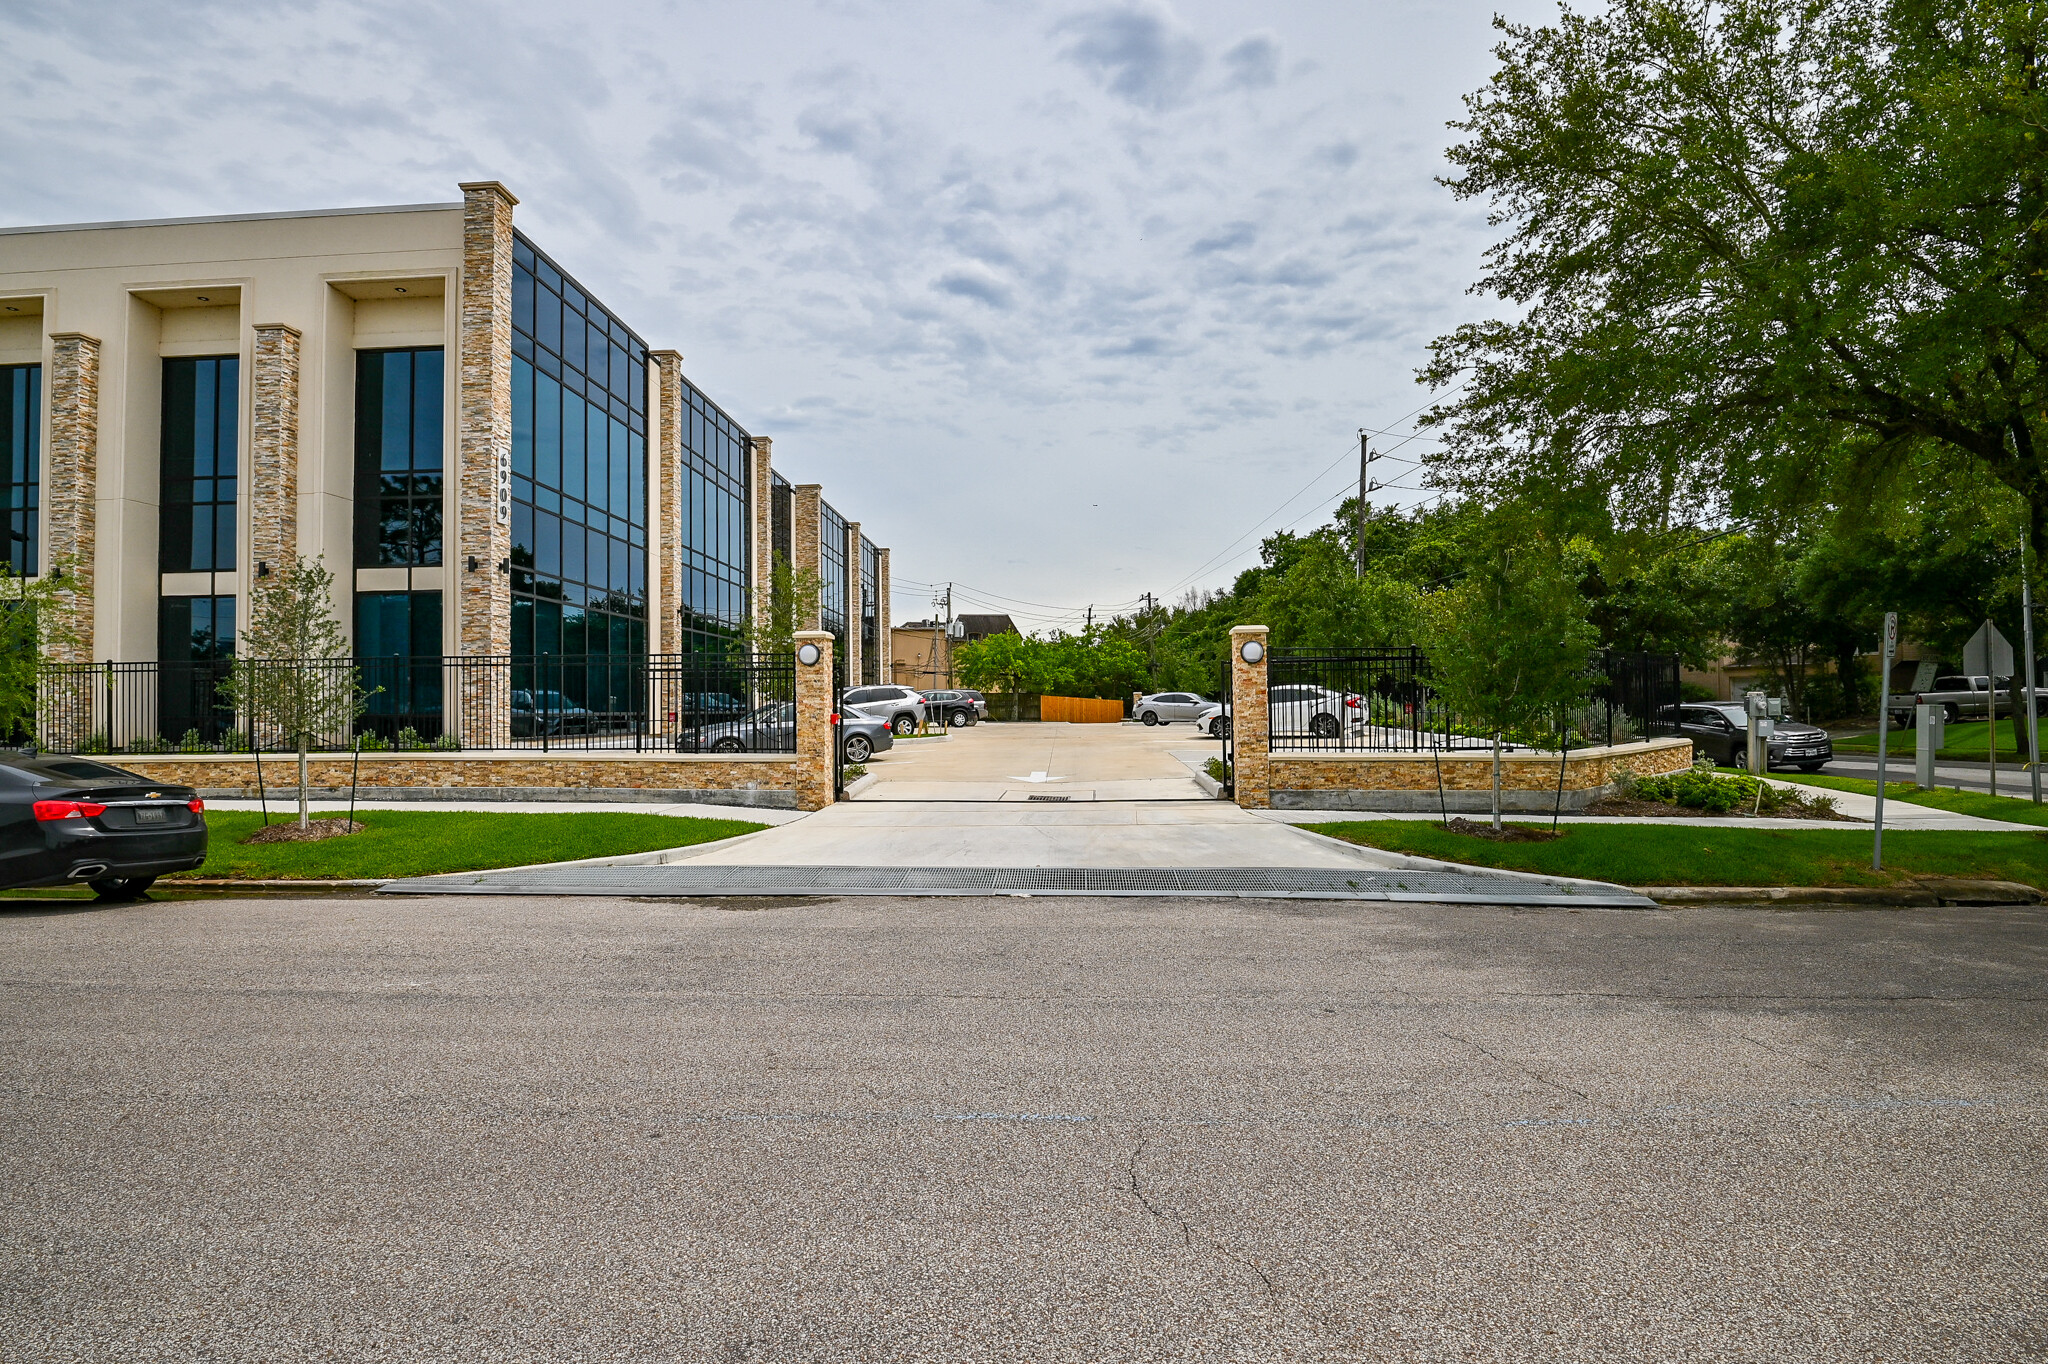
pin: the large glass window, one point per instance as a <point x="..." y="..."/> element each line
<point x="870" y="646"/>
<point x="398" y="458"/>
<point x="713" y="502"/>
<point x="398" y="650"/>
<point x="21" y="434"/>
<point x="781" y="515"/>
<point x="196" y="529"/>
<point x="832" y="572"/>
<point x="579" y="487"/>
<point x="195" y="639"/>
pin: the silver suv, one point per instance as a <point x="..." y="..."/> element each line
<point x="899" y="707"/>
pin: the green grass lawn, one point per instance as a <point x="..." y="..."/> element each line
<point x="425" y="842"/>
<point x="1975" y="803"/>
<point x="1962" y="741"/>
<point x="1677" y="855"/>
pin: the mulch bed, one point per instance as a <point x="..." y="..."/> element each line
<point x="1658" y="809"/>
<point x="318" y="830"/>
<point x="1507" y="833"/>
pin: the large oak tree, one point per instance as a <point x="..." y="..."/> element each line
<point x="1762" y="254"/>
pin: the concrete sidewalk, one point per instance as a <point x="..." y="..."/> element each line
<point x="749" y="813"/>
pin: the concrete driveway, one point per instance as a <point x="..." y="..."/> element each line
<point x="1045" y="1130"/>
<point x="1022" y="762"/>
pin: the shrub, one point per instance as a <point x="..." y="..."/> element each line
<point x="148" y="744"/>
<point x="1217" y="769"/>
<point x="1693" y="691"/>
<point x="447" y="743"/>
<point x="409" y="740"/>
<point x="371" y="742"/>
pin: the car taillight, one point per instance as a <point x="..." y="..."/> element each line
<point x="195" y="805"/>
<point x="68" y="809"/>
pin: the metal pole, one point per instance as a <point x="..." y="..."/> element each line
<point x="2027" y="637"/>
<point x="1884" y="720"/>
<point x="1990" y="706"/>
<point x="1364" y="464"/>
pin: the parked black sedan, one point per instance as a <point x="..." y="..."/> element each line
<point x="1721" y="731"/>
<point x="72" y="819"/>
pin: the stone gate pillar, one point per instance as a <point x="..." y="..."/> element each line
<point x="814" y="732"/>
<point x="1249" y="719"/>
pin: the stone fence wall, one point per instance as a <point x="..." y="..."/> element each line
<point x="1403" y="782"/>
<point x="767" y="780"/>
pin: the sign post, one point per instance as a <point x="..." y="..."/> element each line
<point x="1884" y="724"/>
<point x="1989" y="653"/>
<point x="2027" y="639"/>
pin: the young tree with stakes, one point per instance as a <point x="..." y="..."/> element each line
<point x="292" y="672"/>
<point x="1509" y="645"/>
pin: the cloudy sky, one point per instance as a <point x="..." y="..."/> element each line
<point x="1063" y="301"/>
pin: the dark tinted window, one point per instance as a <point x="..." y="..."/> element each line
<point x="75" y="770"/>
<point x="196" y="516"/>
<point x="21" y="429"/>
<point x="398" y="457"/>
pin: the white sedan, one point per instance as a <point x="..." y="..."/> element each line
<point x="1302" y="708"/>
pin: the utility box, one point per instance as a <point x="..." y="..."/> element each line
<point x="1930" y="730"/>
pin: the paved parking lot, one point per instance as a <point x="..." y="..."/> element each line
<point x="1019" y="1129"/>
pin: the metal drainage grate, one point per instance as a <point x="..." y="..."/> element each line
<point x="1048" y="797"/>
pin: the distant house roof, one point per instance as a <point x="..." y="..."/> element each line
<point x="981" y="627"/>
<point x="974" y="627"/>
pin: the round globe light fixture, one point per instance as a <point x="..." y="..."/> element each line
<point x="1252" y="651"/>
<point x="808" y="655"/>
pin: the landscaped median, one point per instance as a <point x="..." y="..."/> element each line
<point x="1689" y="855"/>
<point x="400" y="843"/>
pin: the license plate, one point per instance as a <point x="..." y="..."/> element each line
<point x="157" y="815"/>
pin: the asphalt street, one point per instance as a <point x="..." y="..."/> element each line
<point x="2012" y="780"/>
<point x="1019" y="1129"/>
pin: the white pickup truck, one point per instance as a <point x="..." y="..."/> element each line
<point x="1958" y="697"/>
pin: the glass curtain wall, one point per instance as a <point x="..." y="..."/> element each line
<point x="781" y="515"/>
<point x="870" y="639"/>
<point x="196" y="517"/>
<point x="399" y="485"/>
<point x="21" y="434"/>
<point x="714" y="516"/>
<point x="579" y="496"/>
<point x="832" y="570"/>
<point x="195" y="642"/>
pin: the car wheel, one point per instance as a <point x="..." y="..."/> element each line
<point x="858" y="749"/>
<point x="1949" y="712"/>
<point x="121" y="887"/>
<point x="728" y="745"/>
<point x="1323" y="726"/>
<point x="904" y="726"/>
<point x="958" y="719"/>
<point x="1149" y="718"/>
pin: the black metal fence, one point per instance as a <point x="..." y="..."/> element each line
<point x="662" y="702"/>
<point x="1382" y="700"/>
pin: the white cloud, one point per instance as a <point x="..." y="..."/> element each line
<point x="1104" y="244"/>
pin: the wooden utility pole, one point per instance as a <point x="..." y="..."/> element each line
<point x="1365" y="487"/>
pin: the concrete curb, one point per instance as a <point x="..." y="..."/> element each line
<point x="859" y="785"/>
<point x="1408" y="862"/>
<point x="1930" y="893"/>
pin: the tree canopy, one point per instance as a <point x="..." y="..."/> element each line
<point x="1761" y="253"/>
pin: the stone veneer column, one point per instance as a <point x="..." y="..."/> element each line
<point x="814" y="733"/>
<point x="853" y="640"/>
<point x="885" y="641"/>
<point x="761" y="553"/>
<point x="806" y="538"/>
<point x="274" y="449"/>
<point x="483" y="435"/>
<point x="71" y="485"/>
<point x="1249" y="720"/>
<point x="668" y="535"/>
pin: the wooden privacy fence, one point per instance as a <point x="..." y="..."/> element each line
<point x="1080" y="710"/>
